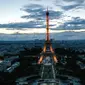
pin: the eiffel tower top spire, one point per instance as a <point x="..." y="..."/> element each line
<point x="47" y="26"/>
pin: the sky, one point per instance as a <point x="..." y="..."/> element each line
<point x="26" y="20"/>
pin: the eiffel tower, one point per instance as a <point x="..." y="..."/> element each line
<point x="48" y="58"/>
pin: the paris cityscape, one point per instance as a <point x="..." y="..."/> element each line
<point x="42" y="42"/>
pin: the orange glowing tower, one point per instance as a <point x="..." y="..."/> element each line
<point x="47" y="22"/>
<point x="47" y="49"/>
<point x="48" y="58"/>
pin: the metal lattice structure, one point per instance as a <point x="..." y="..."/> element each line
<point x="48" y="58"/>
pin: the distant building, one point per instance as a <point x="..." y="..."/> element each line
<point x="8" y="62"/>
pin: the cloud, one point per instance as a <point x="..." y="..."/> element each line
<point x="77" y="1"/>
<point x="37" y="16"/>
<point x="70" y="7"/>
<point x="38" y="12"/>
<point x="22" y="25"/>
<point x="31" y="24"/>
<point x="56" y="36"/>
<point x="69" y="4"/>
<point x="76" y="23"/>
